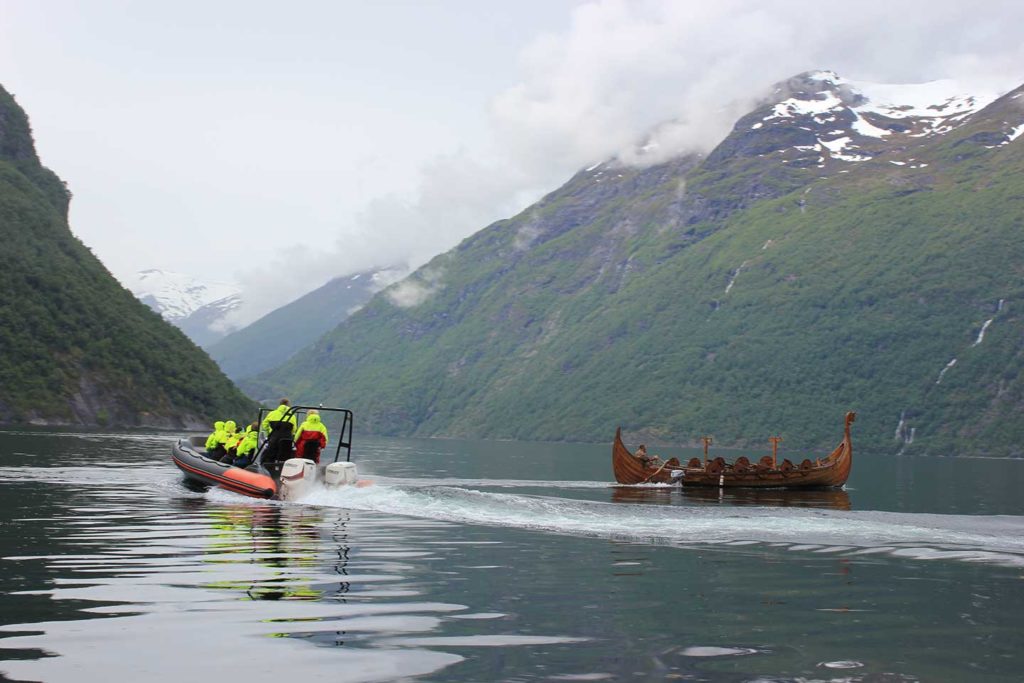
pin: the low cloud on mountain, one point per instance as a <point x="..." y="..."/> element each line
<point x="644" y="81"/>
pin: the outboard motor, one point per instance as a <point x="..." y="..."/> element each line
<point x="340" y="474"/>
<point x="297" y="476"/>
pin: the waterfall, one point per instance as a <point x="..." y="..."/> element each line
<point x="945" y="370"/>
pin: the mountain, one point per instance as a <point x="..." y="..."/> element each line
<point x="199" y="309"/>
<point x="77" y="348"/>
<point x="847" y="246"/>
<point x="275" y="337"/>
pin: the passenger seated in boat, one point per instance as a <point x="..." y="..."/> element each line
<point x="312" y="437"/>
<point x="226" y="441"/>
<point x="231" y="446"/>
<point x="213" y="441"/>
<point x="246" y="448"/>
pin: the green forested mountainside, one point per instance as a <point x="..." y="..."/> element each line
<point x="76" y="347"/>
<point x="750" y="293"/>
<point x="275" y="337"/>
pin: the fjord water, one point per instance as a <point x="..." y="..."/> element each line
<point x="497" y="561"/>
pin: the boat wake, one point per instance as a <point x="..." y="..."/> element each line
<point x="997" y="540"/>
<point x="418" y="483"/>
<point x="989" y="539"/>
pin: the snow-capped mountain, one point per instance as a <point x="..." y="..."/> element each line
<point x="828" y="119"/>
<point x="825" y="123"/>
<point x="198" y="308"/>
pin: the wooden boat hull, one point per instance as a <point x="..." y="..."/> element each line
<point x="829" y="472"/>
<point x="629" y="470"/>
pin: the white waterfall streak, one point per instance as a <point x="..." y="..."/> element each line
<point x="945" y="370"/>
<point x="901" y="426"/>
<point x="981" y="333"/>
<point x="904" y="432"/>
<point x="735" y="275"/>
<point x="984" y="327"/>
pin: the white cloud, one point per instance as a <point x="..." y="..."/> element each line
<point x="625" y="67"/>
<point x="415" y="290"/>
<point x="455" y="197"/>
<point x="527" y="233"/>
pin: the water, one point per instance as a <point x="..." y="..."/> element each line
<point x="483" y="561"/>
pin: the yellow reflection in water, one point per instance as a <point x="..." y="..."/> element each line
<point x="279" y="538"/>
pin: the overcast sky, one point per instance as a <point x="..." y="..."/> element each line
<point x="280" y="144"/>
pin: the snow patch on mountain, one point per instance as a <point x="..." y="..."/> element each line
<point x="937" y="105"/>
<point x="176" y="296"/>
<point x="856" y="120"/>
<point x="202" y="310"/>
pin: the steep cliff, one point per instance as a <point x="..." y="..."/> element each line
<point x="75" y="346"/>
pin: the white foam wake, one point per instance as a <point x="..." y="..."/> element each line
<point x="495" y="483"/>
<point x="990" y="539"/>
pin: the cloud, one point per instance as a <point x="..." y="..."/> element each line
<point x="644" y="81"/>
<point x="624" y="68"/>
<point x="527" y="233"/>
<point x="456" y="195"/>
<point x="414" y="290"/>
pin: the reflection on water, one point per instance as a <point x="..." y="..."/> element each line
<point x="280" y="539"/>
<point x="114" y="570"/>
<point x="830" y="499"/>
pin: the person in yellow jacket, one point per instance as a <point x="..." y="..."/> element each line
<point x="246" y="448"/>
<point x="312" y="437"/>
<point x="279" y="426"/>
<point x="215" y="438"/>
<point x="277" y="414"/>
<point x="227" y="435"/>
<point x="235" y="439"/>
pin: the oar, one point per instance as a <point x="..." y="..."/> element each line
<point x="663" y="466"/>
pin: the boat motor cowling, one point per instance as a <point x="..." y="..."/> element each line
<point x="297" y="476"/>
<point x="340" y="474"/>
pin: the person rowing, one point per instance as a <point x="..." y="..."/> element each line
<point x="647" y="460"/>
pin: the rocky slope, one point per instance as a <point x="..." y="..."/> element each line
<point x="837" y="251"/>
<point x="77" y="348"/>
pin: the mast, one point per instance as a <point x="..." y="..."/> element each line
<point x="707" y="442"/>
<point x="775" y="448"/>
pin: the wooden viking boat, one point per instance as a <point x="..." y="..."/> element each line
<point x="765" y="473"/>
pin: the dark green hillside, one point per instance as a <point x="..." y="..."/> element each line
<point x="275" y="337"/>
<point x="76" y="347"/>
<point x="752" y="293"/>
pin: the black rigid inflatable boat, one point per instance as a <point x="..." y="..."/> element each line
<point x="261" y="479"/>
<point x="191" y="458"/>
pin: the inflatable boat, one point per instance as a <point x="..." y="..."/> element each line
<point x="191" y="458"/>
<point x="275" y="472"/>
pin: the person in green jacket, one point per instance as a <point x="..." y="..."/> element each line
<point x="214" y="439"/>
